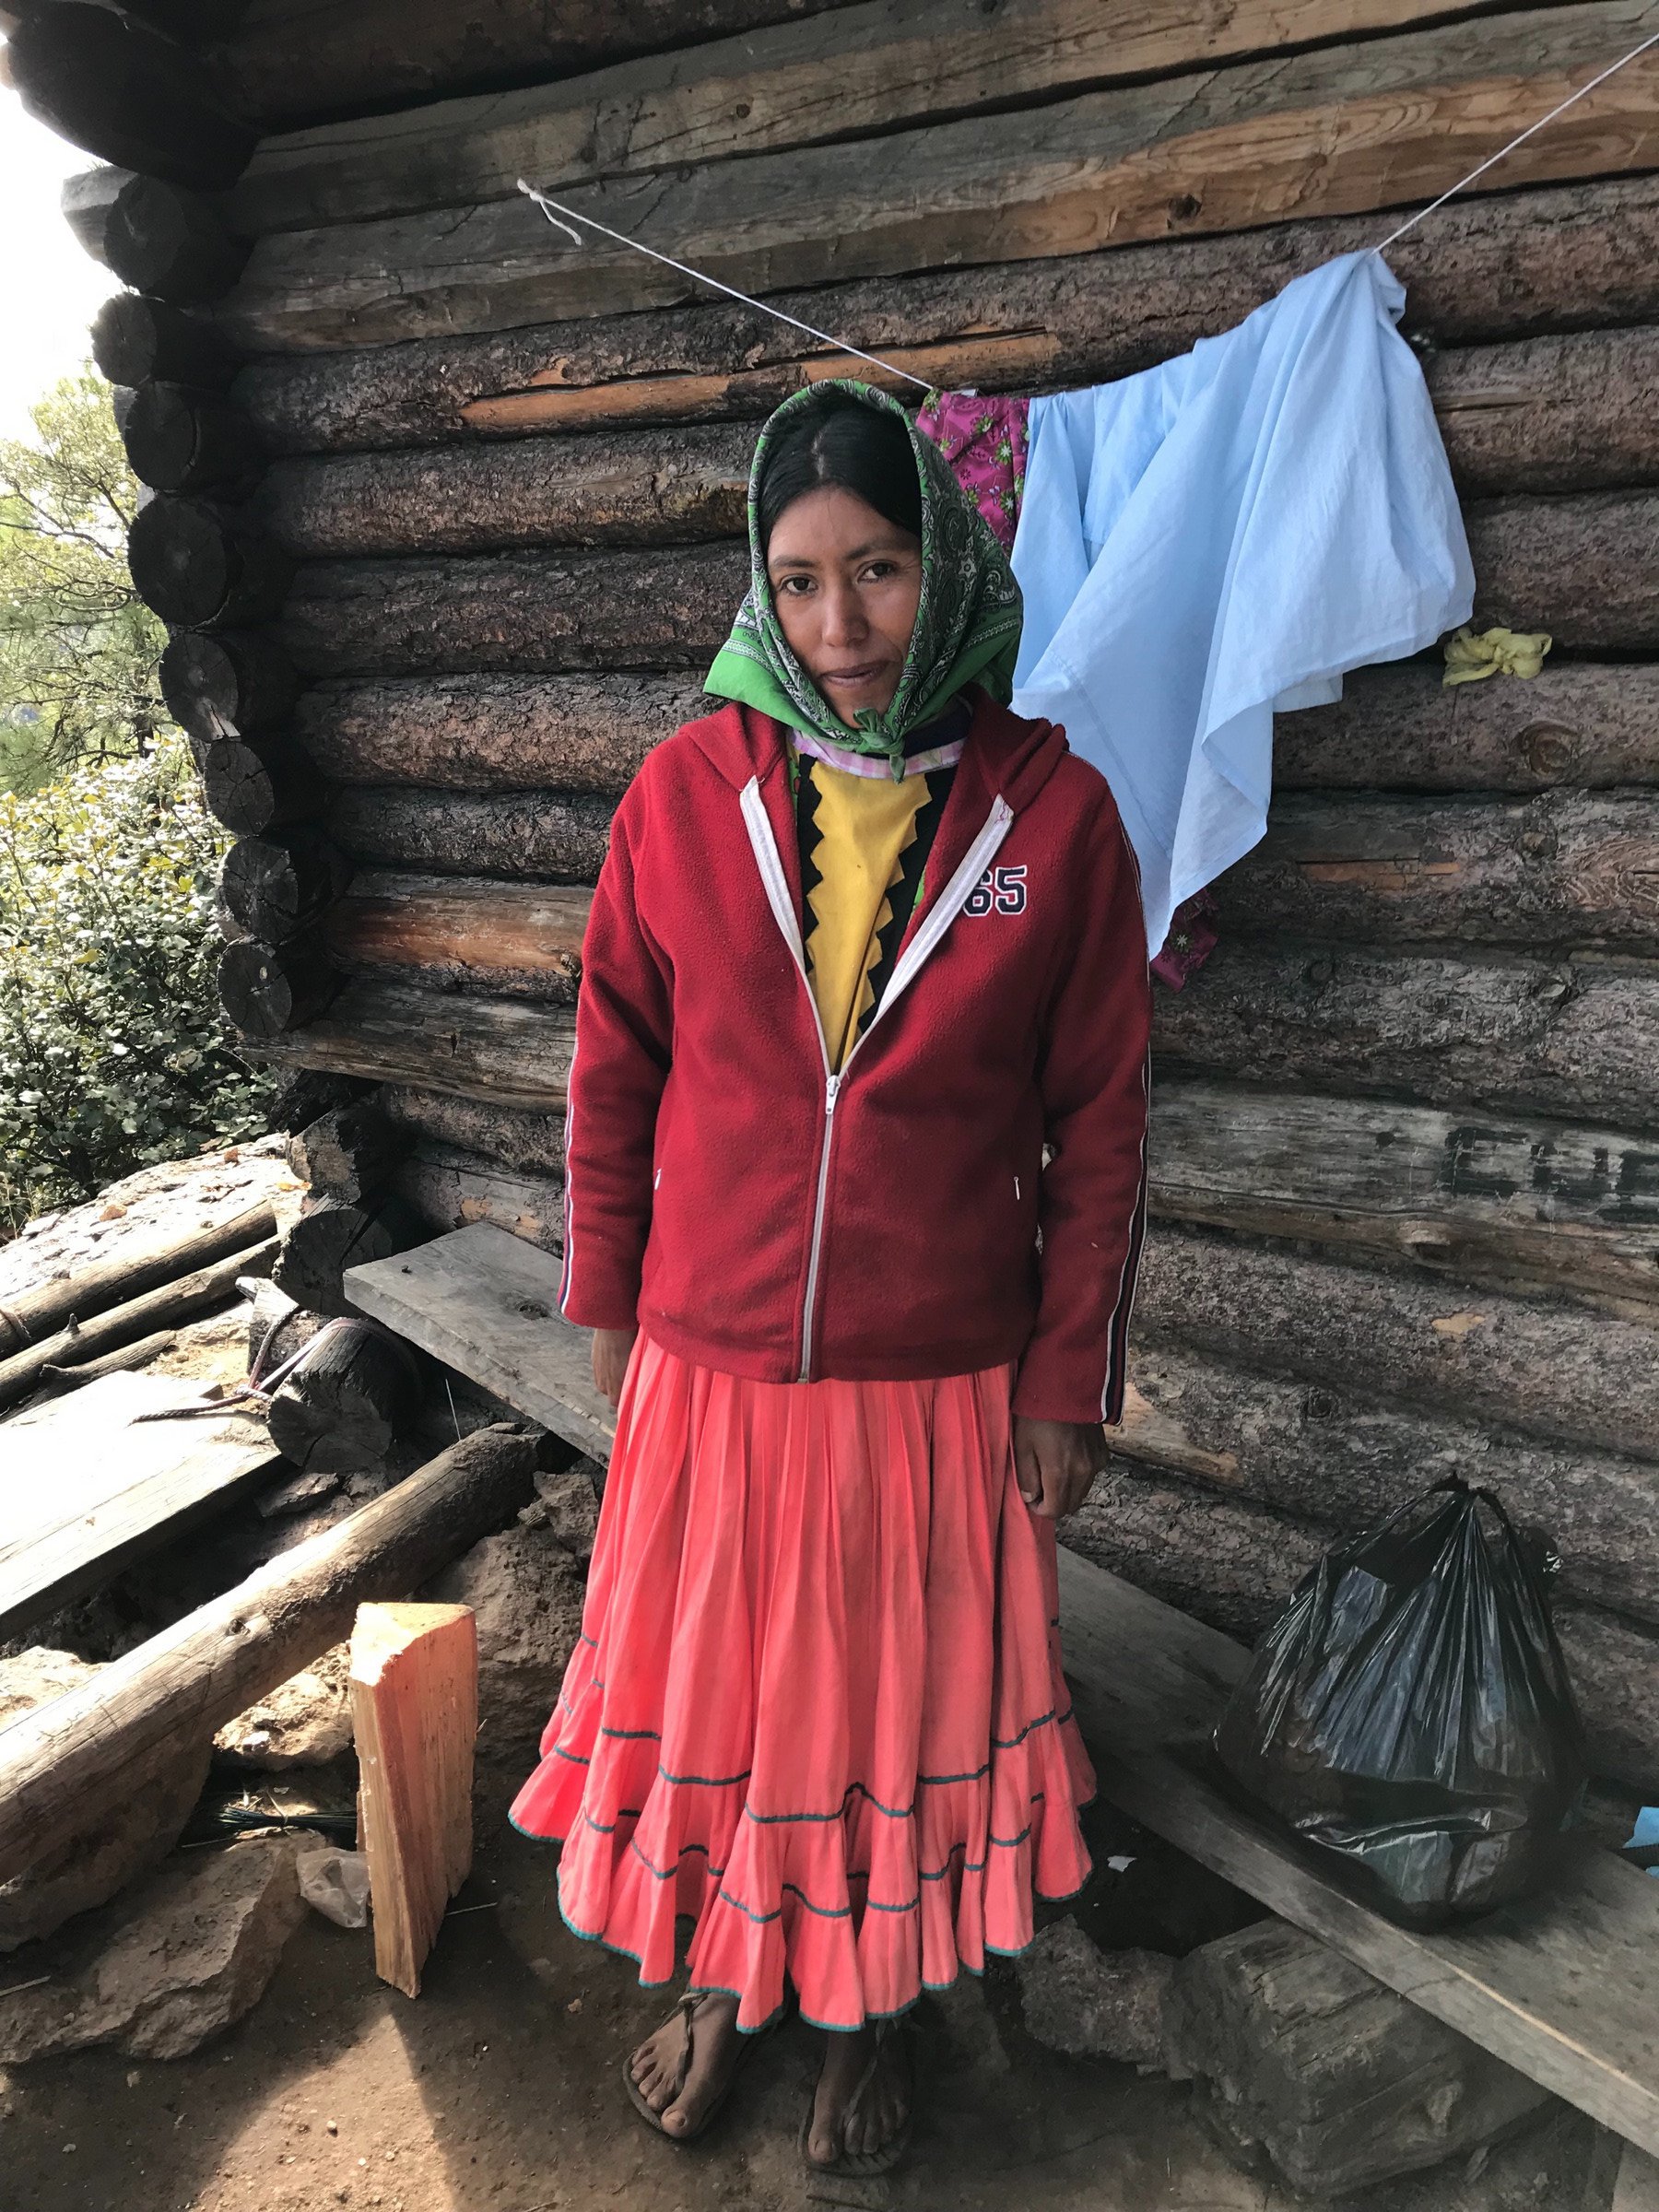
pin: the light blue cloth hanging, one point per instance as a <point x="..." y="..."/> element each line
<point x="1226" y="534"/>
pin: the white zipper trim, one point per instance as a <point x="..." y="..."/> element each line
<point x="950" y="902"/>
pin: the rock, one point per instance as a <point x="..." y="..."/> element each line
<point x="567" y="1505"/>
<point x="1302" y="2064"/>
<point x="1091" y="2002"/>
<point x="297" y="1495"/>
<point x="129" y="1837"/>
<point x="173" y="1964"/>
<point x="526" y="1590"/>
<point x="305" y="1722"/>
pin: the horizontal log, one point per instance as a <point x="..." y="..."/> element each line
<point x="1550" y="1203"/>
<point x="527" y="1143"/>
<point x="238" y="683"/>
<point x="495" y="733"/>
<point x="180" y="438"/>
<point x="168" y="242"/>
<point x="1582" y="569"/>
<point x="496" y="1050"/>
<point x="660" y="488"/>
<point x="333" y="1234"/>
<point x="1563" y="868"/>
<point x="203" y="565"/>
<point x="267" y="989"/>
<point x="1557" y="414"/>
<point x="81" y="1292"/>
<point x="135" y="339"/>
<point x="343" y="1409"/>
<point x="1336" y="131"/>
<point x="1312" y="1451"/>
<point x="1576" y="1038"/>
<point x="87" y="202"/>
<point x="515" y="613"/>
<point x="348" y="1151"/>
<point x="293" y="60"/>
<point x="521" y="940"/>
<point x="1233" y="1565"/>
<point x="1562" y="258"/>
<point x="1577" y="723"/>
<point x="526" y="834"/>
<point x="302" y="1094"/>
<point x="127" y="94"/>
<point x="95" y="1745"/>
<point x="1396" y="1339"/>
<point x="448" y="1188"/>
<point x="860" y="70"/>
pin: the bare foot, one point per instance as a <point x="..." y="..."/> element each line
<point x="716" y="2047"/>
<point x="848" y="2120"/>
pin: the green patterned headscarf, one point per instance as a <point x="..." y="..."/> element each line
<point x="967" y="623"/>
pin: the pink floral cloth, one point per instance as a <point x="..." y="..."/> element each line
<point x="984" y="441"/>
<point x="1193" y="937"/>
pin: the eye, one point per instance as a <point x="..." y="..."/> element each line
<point x="877" y="572"/>
<point x="796" y="586"/>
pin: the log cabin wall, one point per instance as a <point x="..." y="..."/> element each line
<point x="447" y="520"/>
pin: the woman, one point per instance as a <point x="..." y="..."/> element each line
<point x="865" y="954"/>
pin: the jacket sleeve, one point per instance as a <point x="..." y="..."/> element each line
<point x="1093" y="1074"/>
<point x="624" y="1027"/>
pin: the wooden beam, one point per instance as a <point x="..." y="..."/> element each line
<point x="415" y="1714"/>
<point x="1582" y="723"/>
<point x="529" y="1142"/>
<point x="1580" y="569"/>
<point x="511" y="835"/>
<point x="1231" y="1565"/>
<point x="1563" y="868"/>
<point x="1550" y="414"/>
<point x="495" y="733"/>
<point x="29" y="1315"/>
<point x="1339" y="1460"/>
<point x="294" y="60"/>
<point x="486" y="1304"/>
<point x="332" y="1234"/>
<point x="1551" y="1204"/>
<point x="859" y="71"/>
<point x="449" y="1188"/>
<point x="77" y="1754"/>
<point x="494" y="1050"/>
<point x="1576" y="1037"/>
<point x="1399" y="1338"/>
<point x="1563" y="258"/>
<point x="1338" y="131"/>
<point x="521" y="940"/>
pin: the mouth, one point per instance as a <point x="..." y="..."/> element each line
<point x="851" y="677"/>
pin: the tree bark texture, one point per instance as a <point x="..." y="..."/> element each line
<point x="1315" y="1452"/>
<point x="515" y="613"/>
<point x="1551" y="1204"/>
<point x="516" y="834"/>
<point x="528" y="1143"/>
<point x="1485" y="270"/>
<point x="495" y="733"/>
<point x="850" y="74"/>
<point x="67" y="1761"/>
<point x="1397" y="1337"/>
<point x="1580" y="569"/>
<point x="1576" y="1038"/>
<point x="494" y="1050"/>
<point x="521" y="940"/>
<point x="1582" y="723"/>
<point x="1339" y="130"/>
<point x="1564" y="869"/>
<point x="448" y="1189"/>
<point x="1233" y="1565"/>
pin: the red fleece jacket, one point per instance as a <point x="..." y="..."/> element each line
<point x="757" y="1215"/>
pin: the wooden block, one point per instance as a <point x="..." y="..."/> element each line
<point x="415" y="1710"/>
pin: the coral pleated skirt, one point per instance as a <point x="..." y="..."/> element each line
<point x="817" y="1707"/>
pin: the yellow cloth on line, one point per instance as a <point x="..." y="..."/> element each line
<point x="1471" y="656"/>
<point x="860" y="830"/>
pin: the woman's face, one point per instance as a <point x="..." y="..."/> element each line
<point x="846" y="583"/>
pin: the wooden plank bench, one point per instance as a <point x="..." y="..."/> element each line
<point x="86" y="1488"/>
<point x="1564" y="1987"/>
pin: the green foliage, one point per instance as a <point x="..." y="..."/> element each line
<point x="78" y="647"/>
<point x="113" y="1053"/>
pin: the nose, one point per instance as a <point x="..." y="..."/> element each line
<point x="843" y="617"/>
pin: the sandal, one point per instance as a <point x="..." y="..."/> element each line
<point x="636" y="2097"/>
<point x="861" y="2165"/>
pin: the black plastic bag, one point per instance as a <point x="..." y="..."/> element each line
<point x="1410" y="1712"/>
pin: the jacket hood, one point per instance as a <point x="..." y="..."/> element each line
<point x="1010" y="755"/>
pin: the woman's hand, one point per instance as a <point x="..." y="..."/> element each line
<point x="611" y="1351"/>
<point x="1055" y="1462"/>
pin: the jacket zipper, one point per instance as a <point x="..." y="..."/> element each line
<point x="944" y="912"/>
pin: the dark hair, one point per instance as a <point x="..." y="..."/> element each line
<point x="837" y="440"/>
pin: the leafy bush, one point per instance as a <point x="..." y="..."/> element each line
<point x="113" y="1053"/>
